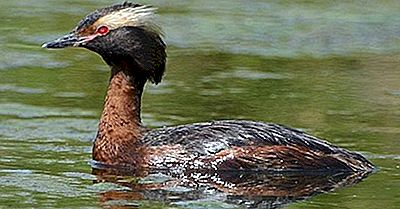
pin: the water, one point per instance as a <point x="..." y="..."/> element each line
<point x="328" y="67"/>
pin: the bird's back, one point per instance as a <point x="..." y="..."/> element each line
<point x="254" y="145"/>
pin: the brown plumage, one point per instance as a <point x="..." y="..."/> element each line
<point x="130" y="42"/>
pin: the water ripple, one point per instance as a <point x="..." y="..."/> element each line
<point x="30" y="111"/>
<point x="19" y="89"/>
<point x="53" y="128"/>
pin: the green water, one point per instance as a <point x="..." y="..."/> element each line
<point x="331" y="68"/>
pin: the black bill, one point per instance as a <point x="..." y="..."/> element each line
<point x="69" y="40"/>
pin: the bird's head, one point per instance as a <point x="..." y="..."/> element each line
<point x="125" y="35"/>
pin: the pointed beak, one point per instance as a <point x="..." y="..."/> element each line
<point x="69" y="40"/>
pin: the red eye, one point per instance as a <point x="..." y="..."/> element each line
<point x="102" y="30"/>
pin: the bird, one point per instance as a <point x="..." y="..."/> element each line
<point x="130" y="41"/>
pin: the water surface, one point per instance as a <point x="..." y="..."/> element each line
<point x="331" y="68"/>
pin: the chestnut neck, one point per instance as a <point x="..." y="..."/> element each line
<point x="120" y="127"/>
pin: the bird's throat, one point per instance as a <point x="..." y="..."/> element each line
<point x="120" y="127"/>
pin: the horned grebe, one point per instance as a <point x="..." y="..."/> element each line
<point x="130" y="42"/>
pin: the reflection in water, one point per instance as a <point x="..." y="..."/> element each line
<point x="245" y="189"/>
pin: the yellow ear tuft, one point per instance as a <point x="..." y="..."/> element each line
<point x="141" y="16"/>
